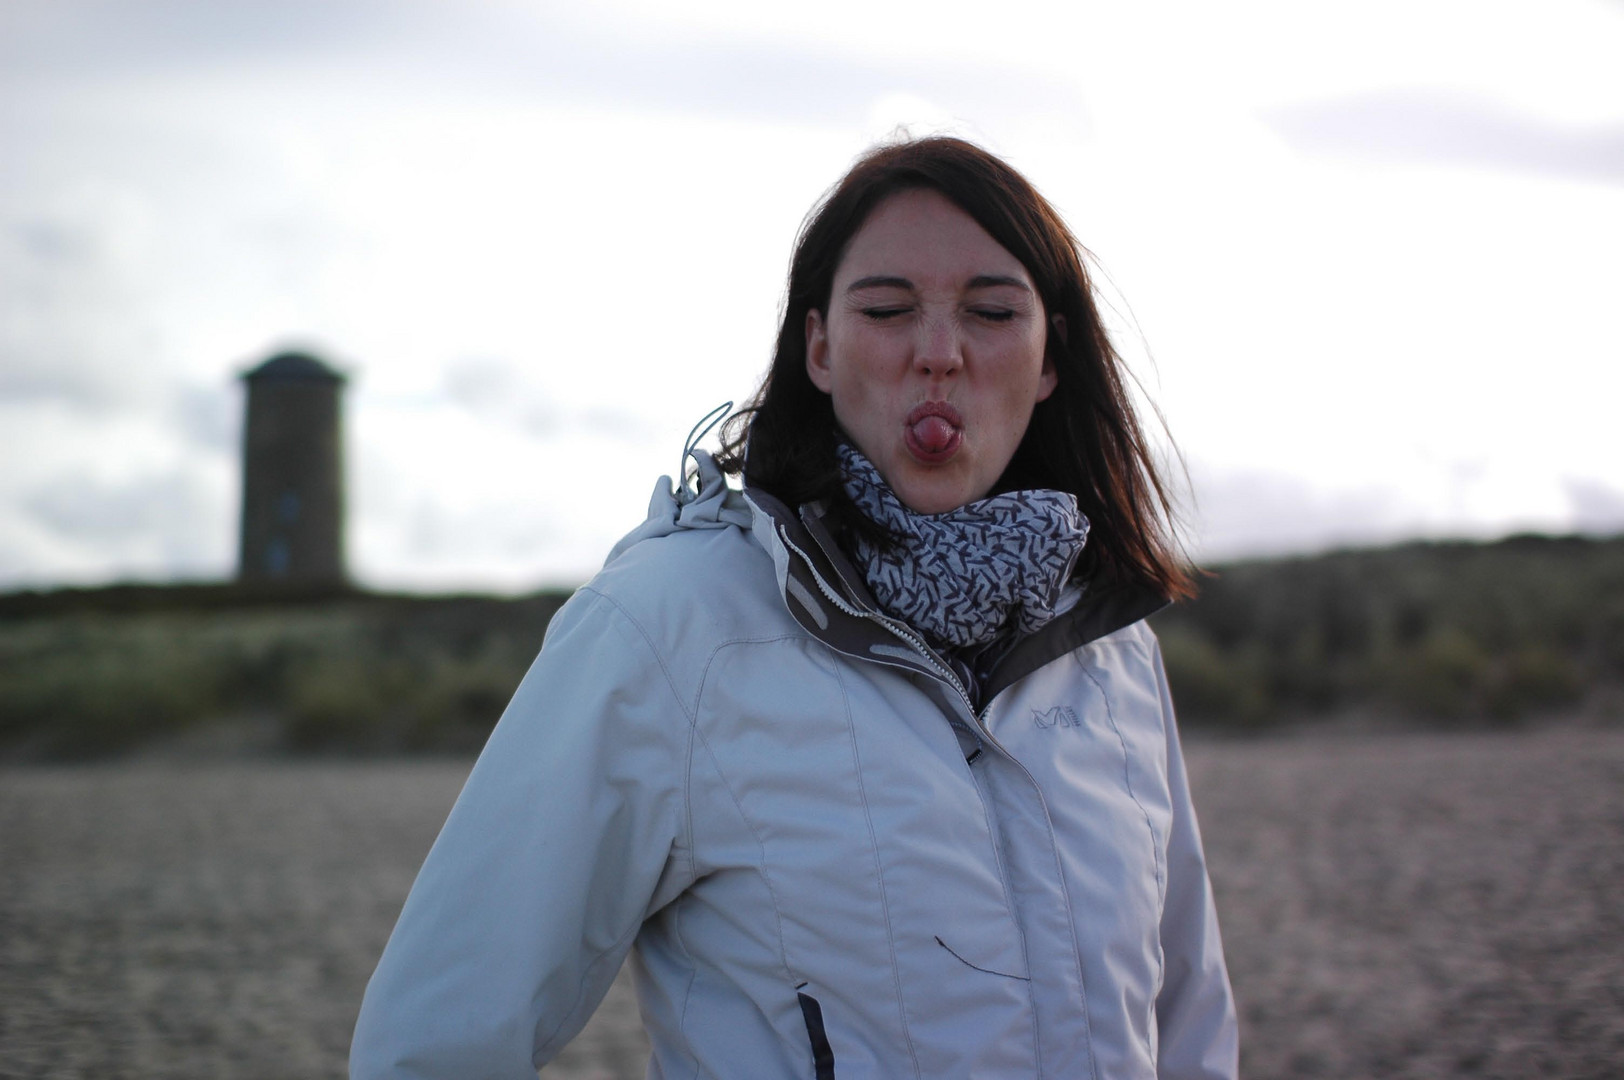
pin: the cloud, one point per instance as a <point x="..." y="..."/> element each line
<point x="541" y="52"/>
<point x="592" y="208"/>
<point x="1432" y="125"/>
<point x="497" y="391"/>
<point x="207" y="416"/>
<point x="102" y="36"/>
<point x="88" y="509"/>
<point x="1247" y="513"/>
<point x="72" y="293"/>
<point x="494" y="390"/>
<point x="158" y="526"/>
<point x="1597" y="508"/>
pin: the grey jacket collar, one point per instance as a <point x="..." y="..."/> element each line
<point x="829" y="599"/>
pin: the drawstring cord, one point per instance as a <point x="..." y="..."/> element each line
<point x="683" y="493"/>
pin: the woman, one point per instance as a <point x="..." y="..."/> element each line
<point x="871" y="766"/>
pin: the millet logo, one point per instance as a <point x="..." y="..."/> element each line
<point x="1059" y="716"/>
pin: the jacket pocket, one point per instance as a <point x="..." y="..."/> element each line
<point x="823" y="1057"/>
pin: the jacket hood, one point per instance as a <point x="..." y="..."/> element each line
<point x="702" y="501"/>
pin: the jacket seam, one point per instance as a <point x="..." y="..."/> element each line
<point x="761" y="846"/>
<point x="687" y="990"/>
<point x="691" y="715"/>
<point x="1149" y="652"/>
<point x="879" y="874"/>
<point x="704" y="673"/>
<point x="1076" y="953"/>
<point x="1071" y="918"/>
<point x="1127" y="780"/>
<point x="665" y="669"/>
<point x="1009" y="904"/>
<point x="545" y="1045"/>
<point x="687" y="839"/>
<point x="1155" y="848"/>
<point x="681" y="907"/>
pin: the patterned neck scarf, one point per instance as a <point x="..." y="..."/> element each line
<point x="963" y="576"/>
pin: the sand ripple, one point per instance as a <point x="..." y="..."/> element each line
<point x="1396" y="906"/>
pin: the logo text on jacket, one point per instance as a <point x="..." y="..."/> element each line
<point x="1059" y="716"/>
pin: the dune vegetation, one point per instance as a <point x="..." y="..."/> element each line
<point x="1444" y="634"/>
<point x="1450" y="634"/>
<point x="98" y="672"/>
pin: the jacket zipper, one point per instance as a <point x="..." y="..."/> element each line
<point x="917" y="643"/>
<point x="902" y="631"/>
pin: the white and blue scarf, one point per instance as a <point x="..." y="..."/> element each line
<point x="962" y="577"/>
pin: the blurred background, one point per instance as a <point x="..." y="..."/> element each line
<point x="1363" y="256"/>
<point x="485" y="264"/>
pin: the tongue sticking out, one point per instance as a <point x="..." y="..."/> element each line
<point x="933" y="434"/>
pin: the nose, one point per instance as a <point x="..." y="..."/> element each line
<point x="938" y="353"/>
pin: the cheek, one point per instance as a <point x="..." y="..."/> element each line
<point x="861" y="412"/>
<point x="1041" y="371"/>
<point x="852" y="380"/>
<point x="855" y="406"/>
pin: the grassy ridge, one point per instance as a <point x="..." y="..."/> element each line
<point x="1437" y="633"/>
<point x="96" y="672"/>
<point x="1449" y="633"/>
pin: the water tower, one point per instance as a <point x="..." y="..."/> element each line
<point x="293" y="474"/>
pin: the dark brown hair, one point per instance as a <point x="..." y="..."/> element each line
<point x="1084" y="438"/>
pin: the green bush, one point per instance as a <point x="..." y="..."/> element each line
<point x="1452" y="632"/>
<point x="1443" y="676"/>
<point x="332" y="702"/>
<point x="457" y="703"/>
<point x="1212" y="686"/>
<point x="356" y="674"/>
<point x="90" y="687"/>
<point x="1533" y="679"/>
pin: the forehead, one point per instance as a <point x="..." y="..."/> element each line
<point x="922" y="235"/>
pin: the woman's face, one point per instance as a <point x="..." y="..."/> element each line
<point x="932" y="350"/>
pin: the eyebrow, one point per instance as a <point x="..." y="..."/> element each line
<point x="980" y="281"/>
<point x="987" y="281"/>
<point x="879" y="281"/>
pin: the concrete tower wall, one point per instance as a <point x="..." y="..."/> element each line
<point x="293" y="474"/>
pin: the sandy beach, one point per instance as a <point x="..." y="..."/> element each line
<point x="1392" y="906"/>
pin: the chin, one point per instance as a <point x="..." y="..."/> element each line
<point x="932" y="500"/>
<point x="928" y="489"/>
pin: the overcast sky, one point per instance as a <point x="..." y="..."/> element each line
<point x="1364" y="256"/>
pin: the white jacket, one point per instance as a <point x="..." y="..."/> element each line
<point x="823" y="862"/>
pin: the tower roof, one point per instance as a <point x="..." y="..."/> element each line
<point x="293" y="367"/>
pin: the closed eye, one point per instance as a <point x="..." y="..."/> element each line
<point x="880" y="314"/>
<point x="996" y="315"/>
